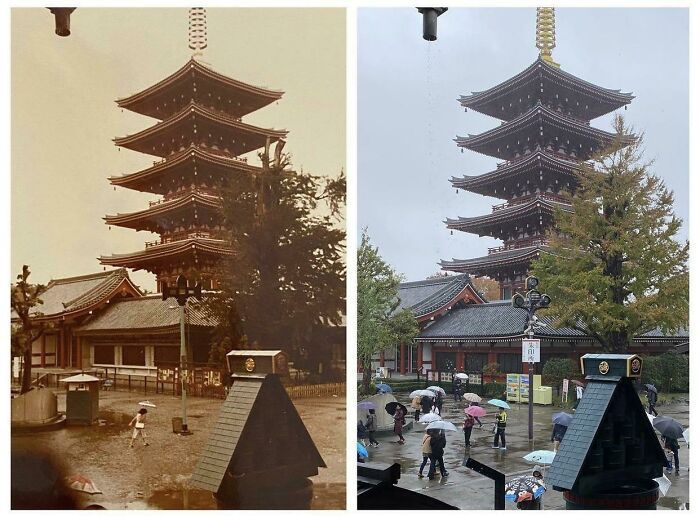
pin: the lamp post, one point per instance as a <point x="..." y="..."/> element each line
<point x="532" y="301"/>
<point x="182" y="292"/>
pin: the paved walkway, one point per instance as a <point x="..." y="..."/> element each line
<point x="469" y="490"/>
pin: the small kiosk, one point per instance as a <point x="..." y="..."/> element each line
<point x="82" y="399"/>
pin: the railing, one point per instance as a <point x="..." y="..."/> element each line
<point x="520" y="244"/>
<point x="318" y="390"/>
<point x="178" y="238"/>
<point x="529" y="198"/>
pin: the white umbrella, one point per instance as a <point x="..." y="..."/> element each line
<point x="422" y="392"/>
<point x="651" y="418"/>
<point x="664" y="484"/>
<point x="437" y="389"/>
<point x="462" y="376"/>
<point x="147" y="404"/>
<point x="81" y="483"/>
<point x="686" y="435"/>
<point x="442" y="425"/>
<point x="429" y="418"/>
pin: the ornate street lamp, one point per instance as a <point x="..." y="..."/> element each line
<point x="182" y="292"/>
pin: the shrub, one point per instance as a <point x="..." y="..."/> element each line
<point x="669" y="372"/>
<point x="556" y="369"/>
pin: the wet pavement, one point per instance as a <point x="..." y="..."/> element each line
<point x="467" y="489"/>
<point x="156" y="476"/>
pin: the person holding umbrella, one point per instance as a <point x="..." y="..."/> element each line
<point x="426" y="402"/>
<point x="560" y="422"/>
<point x="671" y="443"/>
<point x="371" y="427"/>
<point x="427" y="453"/>
<point x="501" y="421"/>
<point x="139" y="424"/>
<point x="456" y="385"/>
<point x="467" y="427"/>
<point x="399" y="421"/>
<point x="437" y="450"/>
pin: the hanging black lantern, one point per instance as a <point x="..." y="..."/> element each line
<point x="62" y="15"/>
<point x="430" y="16"/>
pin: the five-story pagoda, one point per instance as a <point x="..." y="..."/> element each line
<point x="200" y="138"/>
<point x="544" y="138"/>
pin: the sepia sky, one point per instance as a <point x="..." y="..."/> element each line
<point x="64" y="115"/>
<point x="408" y="112"/>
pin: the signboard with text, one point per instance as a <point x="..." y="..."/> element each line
<point x="531" y="350"/>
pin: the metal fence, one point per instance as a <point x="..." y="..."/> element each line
<point x="150" y="384"/>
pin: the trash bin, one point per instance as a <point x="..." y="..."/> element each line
<point x="177" y="425"/>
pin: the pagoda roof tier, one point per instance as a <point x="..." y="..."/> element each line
<point x="195" y="81"/>
<point x="487" y="265"/>
<point x="199" y="126"/>
<point x="540" y="127"/>
<point x="552" y="86"/>
<point x="499" y="183"/>
<point x="177" y="251"/>
<point x="158" y="218"/>
<point x="158" y="178"/>
<point x="487" y="225"/>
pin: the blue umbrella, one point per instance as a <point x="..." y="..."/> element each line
<point x="366" y="405"/>
<point x="499" y="403"/>
<point x="562" y="418"/>
<point x="383" y="388"/>
<point x="540" y="456"/>
<point x="361" y="450"/>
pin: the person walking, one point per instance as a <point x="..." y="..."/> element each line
<point x="501" y="421"/>
<point x="672" y="444"/>
<point x="456" y="386"/>
<point x="427" y="453"/>
<point x="437" y="450"/>
<point x="371" y="427"/>
<point x="399" y="421"/>
<point x="476" y="404"/>
<point x="652" y="398"/>
<point x="426" y="403"/>
<point x="435" y="409"/>
<point x="361" y="433"/>
<point x="558" y="432"/>
<point x="579" y="395"/>
<point x="467" y="427"/>
<point x="438" y="402"/>
<point x="139" y="424"/>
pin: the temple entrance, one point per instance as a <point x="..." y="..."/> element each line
<point x="445" y="360"/>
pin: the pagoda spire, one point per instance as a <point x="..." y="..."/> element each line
<point x="545" y="34"/>
<point x="197" y="30"/>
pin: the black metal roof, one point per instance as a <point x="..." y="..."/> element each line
<point x="608" y="438"/>
<point x="258" y="430"/>
<point x="481" y="264"/>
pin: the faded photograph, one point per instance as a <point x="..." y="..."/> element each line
<point x="178" y="258"/>
<point x="523" y="276"/>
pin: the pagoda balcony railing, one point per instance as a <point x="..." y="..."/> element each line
<point x="179" y="237"/>
<point x="526" y="199"/>
<point x="520" y="244"/>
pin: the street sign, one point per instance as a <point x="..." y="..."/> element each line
<point x="531" y="350"/>
<point x="565" y="390"/>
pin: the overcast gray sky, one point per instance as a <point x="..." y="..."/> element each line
<point x="64" y="115"/>
<point x="408" y="113"/>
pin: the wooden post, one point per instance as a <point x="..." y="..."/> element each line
<point x="402" y="355"/>
<point x="79" y="351"/>
<point x="145" y="384"/>
<point x="129" y="382"/>
<point x="43" y="350"/>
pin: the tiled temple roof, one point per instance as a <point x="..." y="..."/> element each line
<point x="427" y="296"/>
<point x="523" y="255"/>
<point x="149" y="312"/>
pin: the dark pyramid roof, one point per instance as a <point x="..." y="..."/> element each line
<point x="258" y="430"/>
<point x="610" y="436"/>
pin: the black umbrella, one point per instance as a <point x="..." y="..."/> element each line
<point x="650" y="387"/>
<point x="562" y="418"/>
<point x="668" y="427"/>
<point x="391" y="407"/>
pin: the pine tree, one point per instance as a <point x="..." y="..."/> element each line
<point x="614" y="267"/>
<point x="286" y="278"/>
<point x="379" y="326"/>
<point x="24" y="298"/>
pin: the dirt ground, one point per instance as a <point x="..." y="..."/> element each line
<point x="156" y="476"/>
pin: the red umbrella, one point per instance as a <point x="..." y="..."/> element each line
<point x="475" y="411"/>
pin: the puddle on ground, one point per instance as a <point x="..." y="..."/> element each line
<point x="325" y="496"/>
<point x="670" y="502"/>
